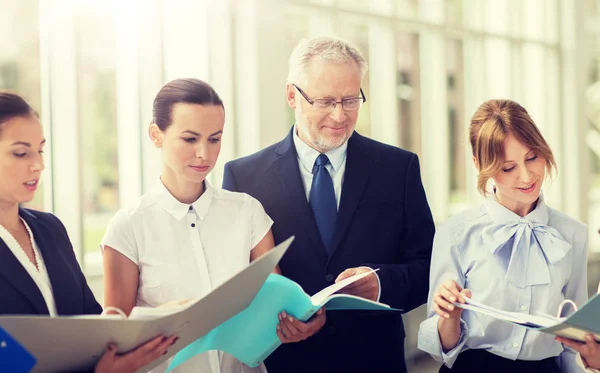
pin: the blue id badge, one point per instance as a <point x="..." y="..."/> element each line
<point x="14" y="357"/>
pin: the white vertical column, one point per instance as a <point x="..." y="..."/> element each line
<point x="60" y="83"/>
<point x="128" y="104"/>
<point x="434" y="122"/>
<point x="185" y="38"/>
<point x="434" y="112"/>
<point x="150" y="75"/>
<point x="474" y="78"/>
<point x="383" y="76"/>
<point x="222" y="80"/>
<point x="552" y="126"/>
<point x="321" y="24"/>
<point x="44" y="111"/>
<point x="273" y="70"/>
<point x="575" y="59"/>
<point x="475" y="81"/>
<point x="247" y="81"/>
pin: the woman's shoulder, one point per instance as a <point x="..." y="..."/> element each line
<point x="558" y="219"/>
<point x="465" y="219"/>
<point x="237" y="198"/>
<point x="32" y="216"/>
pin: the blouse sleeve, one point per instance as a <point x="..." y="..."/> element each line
<point x="120" y="236"/>
<point x="261" y="222"/>
<point x="445" y="265"/>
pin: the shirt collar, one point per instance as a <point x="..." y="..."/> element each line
<point x="165" y="199"/>
<point x="502" y="215"/>
<point x="308" y="155"/>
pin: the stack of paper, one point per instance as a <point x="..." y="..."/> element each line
<point x="576" y="326"/>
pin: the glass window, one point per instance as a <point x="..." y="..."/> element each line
<point x="456" y="121"/>
<point x="96" y="44"/>
<point x="497" y="16"/>
<point x="454" y="12"/>
<point x="297" y="28"/>
<point x="409" y="108"/>
<point x="20" y="62"/>
<point x="407" y="8"/>
<point x="498" y="68"/>
<point x="593" y="141"/>
<point x="355" y="31"/>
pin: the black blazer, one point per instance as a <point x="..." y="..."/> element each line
<point x="19" y="295"/>
<point x="384" y="221"/>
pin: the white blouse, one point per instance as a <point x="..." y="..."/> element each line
<point x="185" y="251"/>
<point x="39" y="274"/>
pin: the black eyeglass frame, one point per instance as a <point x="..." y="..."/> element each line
<point x="311" y="102"/>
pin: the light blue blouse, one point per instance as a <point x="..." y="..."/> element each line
<point x="524" y="264"/>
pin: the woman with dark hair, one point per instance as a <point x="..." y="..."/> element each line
<point x="39" y="274"/>
<point x="184" y="237"/>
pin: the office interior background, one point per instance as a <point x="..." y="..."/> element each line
<point x="93" y="67"/>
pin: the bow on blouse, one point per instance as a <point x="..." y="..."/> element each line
<point x="534" y="247"/>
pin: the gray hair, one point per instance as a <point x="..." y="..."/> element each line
<point x="326" y="49"/>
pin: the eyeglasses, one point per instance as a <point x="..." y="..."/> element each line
<point x="327" y="105"/>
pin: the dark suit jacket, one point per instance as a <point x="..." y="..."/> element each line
<point x="383" y="222"/>
<point x="19" y="295"/>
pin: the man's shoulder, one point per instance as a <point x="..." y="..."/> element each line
<point x="381" y="149"/>
<point x="260" y="157"/>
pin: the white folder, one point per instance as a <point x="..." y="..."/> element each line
<point x="64" y="344"/>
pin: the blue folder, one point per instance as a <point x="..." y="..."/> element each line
<point x="251" y="335"/>
<point x="14" y="358"/>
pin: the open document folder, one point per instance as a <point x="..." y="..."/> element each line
<point x="251" y="335"/>
<point x="63" y="344"/>
<point x="576" y="326"/>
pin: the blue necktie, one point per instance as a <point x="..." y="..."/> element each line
<point x="322" y="201"/>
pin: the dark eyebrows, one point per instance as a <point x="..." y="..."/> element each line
<point x="26" y="143"/>
<point x="197" y="134"/>
<point x="529" y="153"/>
<point x="191" y="132"/>
<point x="21" y="143"/>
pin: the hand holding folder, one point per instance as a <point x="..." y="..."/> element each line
<point x="251" y="337"/>
<point x="63" y="344"/>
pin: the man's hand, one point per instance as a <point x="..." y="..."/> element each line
<point x="367" y="287"/>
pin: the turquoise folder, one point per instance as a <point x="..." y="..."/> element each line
<point x="251" y="336"/>
<point x="14" y="357"/>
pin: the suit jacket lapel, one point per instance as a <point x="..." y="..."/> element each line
<point x="288" y="173"/>
<point x="14" y="272"/>
<point x="55" y="263"/>
<point x="356" y="175"/>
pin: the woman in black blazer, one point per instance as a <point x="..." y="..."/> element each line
<point x="39" y="274"/>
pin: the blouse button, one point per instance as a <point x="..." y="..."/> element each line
<point x="193" y="225"/>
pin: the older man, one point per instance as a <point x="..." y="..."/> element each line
<point x="352" y="203"/>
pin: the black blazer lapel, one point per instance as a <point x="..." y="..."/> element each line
<point x="356" y="175"/>
<point x="288" y="172"/>
<point x="14" y="272"/>
<point x="58" y="272"/>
